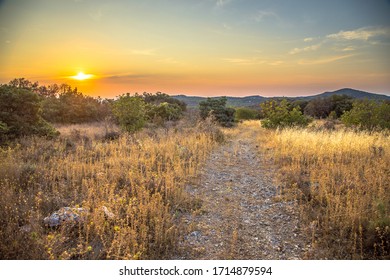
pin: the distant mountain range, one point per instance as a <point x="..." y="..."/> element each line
<point x="250" y="101"/>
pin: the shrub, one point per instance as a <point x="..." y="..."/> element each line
<point x="21" y="114"/>
<point x="130" y="112"/>
<point x="368" y="114"/>
<point x="322" y="107"/>
<point x="164" y="112"/>
<point x="216" y="107"/>
<point x="281" y="114"/>
<point x="71" y="106"/>
<point x="64" y="104"/>
<point x="246" y="114"/>
<point x="159" y="98"/>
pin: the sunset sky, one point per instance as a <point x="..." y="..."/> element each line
<point x="198" y="47"/>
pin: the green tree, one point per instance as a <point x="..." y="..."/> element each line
<point x="216" y="107"/>
<point x="368" y="114"/>
<point x="246" y="114"/>
<point x="159" y="98"/>
<point x="163" y="112"/>
<point x="321" y="107"/>
<point x="21" y="113"/>
<point x="341" y="104"/>
<point x="130" y="112"/>
<point x="282" y="114"/>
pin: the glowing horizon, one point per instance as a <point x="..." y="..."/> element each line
<point x="200" y="48"/>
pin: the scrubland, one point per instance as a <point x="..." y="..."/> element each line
<point x="340" y="179"/>
<point x="138" y="178"/>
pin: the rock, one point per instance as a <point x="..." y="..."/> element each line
<point x="64" y="215"/>
<point x="108" y="214"/>
<point x="26" y="228"/>
<point x="195" y="234"/>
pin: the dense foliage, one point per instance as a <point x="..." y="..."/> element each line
<point x="216" y="108"/>
<point x="130" y="112"/>
<point x="66" y="105"/>
<point x="282" y="114"/>
<point x="368" y="114"/>
<point x="322" y="107"/>
<point x="70" y="106"/>
<point x="159" y="98"/>
<point x="21" y="114"/>
<point x="246" y="114"/>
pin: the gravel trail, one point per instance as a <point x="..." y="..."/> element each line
<point x="241" y="216"/>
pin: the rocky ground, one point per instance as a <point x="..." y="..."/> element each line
<point x="241" y="216"/>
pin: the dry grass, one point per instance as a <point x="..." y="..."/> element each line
<point x="139" y="178"/>
<point x="341" y="180"/>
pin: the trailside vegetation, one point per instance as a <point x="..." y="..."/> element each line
<point x="280" y="114"/>
<point x="217" y="109"/>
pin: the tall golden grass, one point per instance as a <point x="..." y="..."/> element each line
<point x="139" y="178"/>
<point x="341" y="180"/>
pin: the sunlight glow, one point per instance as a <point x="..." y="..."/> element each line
<point x="81" y="76"/>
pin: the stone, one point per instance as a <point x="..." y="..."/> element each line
<point x="64" y="215"/>
<point x="107" y="213"/>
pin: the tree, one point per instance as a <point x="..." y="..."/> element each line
<point x="64" y="104"/>
<point x="321" y="107"/>
<point x="21" y="113"/>
<point x="282" y="114"/>
<point x="159" y="98"/>
<point x="368" y="114"/>
<point x="246" y="114"/>
<point x="216" y="107"/>
<point x="130" y="112"/>
<point x="163" y="112"/>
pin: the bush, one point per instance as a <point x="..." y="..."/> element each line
<point x="216" y="107"/>
<point x="246" y="114"/>
<point x="159" y="98"/>
<point x="130" y="112"/>
<point x="64" y="104"/>
<point x="282" y="114"/>
<point x="322" y="107"/>
<point x="368" y="114"/>
<point x="163" y="112"/>
<point x="21" y="114"/>
<point x="71" y="106"/>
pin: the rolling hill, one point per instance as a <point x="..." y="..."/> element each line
<point x="254" y="100"/>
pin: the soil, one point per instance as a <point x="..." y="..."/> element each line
<point x="242" y="215"/>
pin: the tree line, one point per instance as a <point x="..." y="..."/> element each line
<point x="279" y="113"/>
<point x="27" y="108"/>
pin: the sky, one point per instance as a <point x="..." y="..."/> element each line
<point x="198" y="47"/>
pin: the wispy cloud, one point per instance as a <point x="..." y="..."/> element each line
<point x="364" y="33"/>
<point x="324" y="60"/>
<point x="309" y="39"/>
<point x="221" y="3"/>
<point x="253" y="61"/>
<point x="169" y="60"/>
<point x="261" y="15"/>
<point x="305" y="49"/>
<point x="244" y="61"/>
<point x="126" y="77"/>
<point x="276" y="62"/>
<point x="348" y="49"/>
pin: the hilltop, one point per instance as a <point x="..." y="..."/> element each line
<point x="249" y="101"/>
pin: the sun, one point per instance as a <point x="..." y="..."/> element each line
<point x="81" y="76"/>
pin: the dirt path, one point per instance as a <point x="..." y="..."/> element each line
<point x="240" y="216"/>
